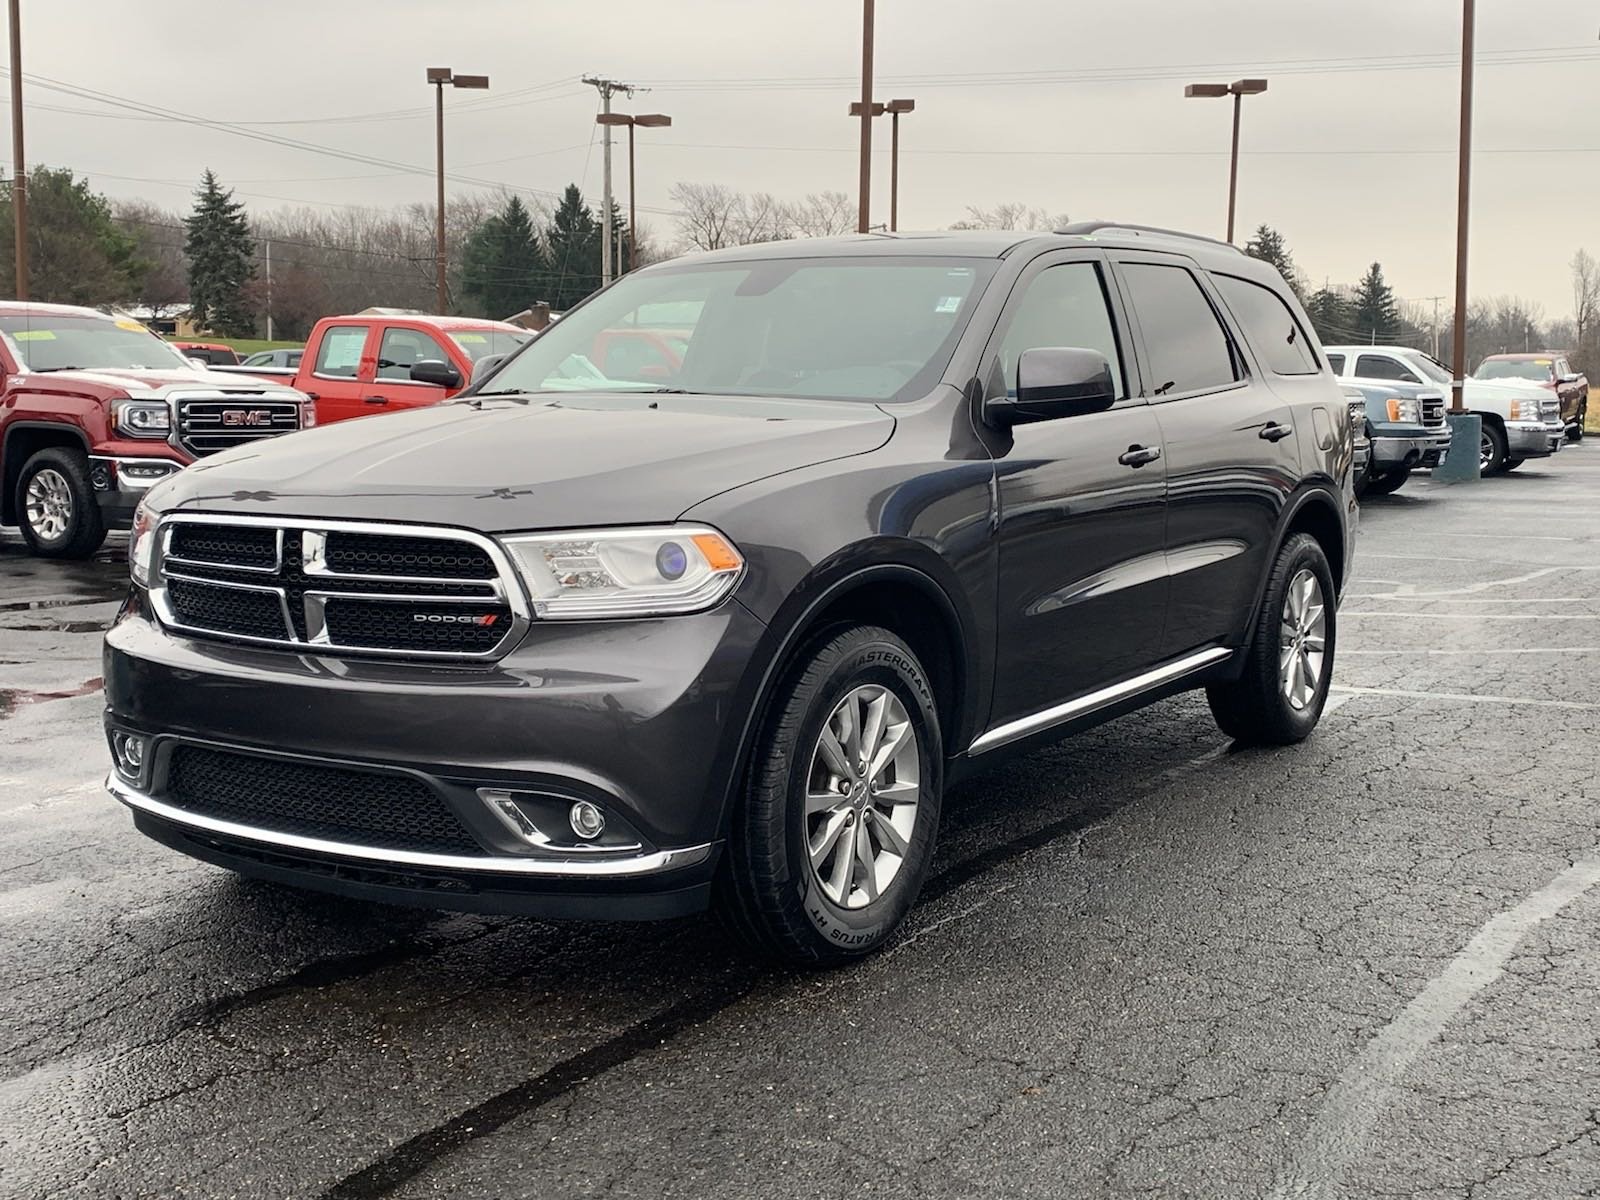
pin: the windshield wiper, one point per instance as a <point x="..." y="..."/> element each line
<point x="47" y="370"/>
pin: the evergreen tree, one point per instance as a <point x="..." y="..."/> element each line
<point x="221" y="257"/>
<point x="572" y="251"/>
<point x="1375" y="314"/>
<point x="1330" y="315"/>
<point x="502" y="267"/>
<point x="1268" y="245"/>
<point x="76" y="252"/>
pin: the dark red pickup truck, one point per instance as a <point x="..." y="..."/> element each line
<point x="95" y="408"/>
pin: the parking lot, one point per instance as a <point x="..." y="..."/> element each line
<point x="1144" y="963"/>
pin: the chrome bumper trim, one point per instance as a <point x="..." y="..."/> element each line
<point x="588" y="867"/>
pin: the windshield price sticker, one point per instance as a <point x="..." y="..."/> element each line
<point x="35" y="335"/>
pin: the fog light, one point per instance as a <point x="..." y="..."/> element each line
<point x="128" y="751"/>
<point x="588" y="822"/>
<point x="100" y="477"/>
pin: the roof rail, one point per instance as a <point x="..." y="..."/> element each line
<point x="1085" y="228"/>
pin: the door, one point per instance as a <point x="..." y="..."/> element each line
<point x="1082" y="588"/>
<point x="400" y="349"/>
<point x="342" y="373"/>
<point x="1229" y="443"/>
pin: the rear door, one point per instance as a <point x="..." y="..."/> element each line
<point x="341" y="372"/>
<point x="1082" y="586"/>
<point x="400" y="348"/>
<point x="1229" y="444"/>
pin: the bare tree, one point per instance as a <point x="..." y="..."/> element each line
<point x="158" y="236"/>
<point x="1585" y="297"/>
<point x="1011" y="216"/>
<point x="823" y="214"/>
<point x="712" y="215"/>
<point x="708" y="214"/>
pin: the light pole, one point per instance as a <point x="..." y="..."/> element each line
<point x="1238" y="89"/>
<point x="649" y="121"/>
<point x="19" y="162"/>
<point x="1458" y="354"/>
<point x="894" y="109"/>
<point x="864" y="210"/>
<point x="438" y="77"/>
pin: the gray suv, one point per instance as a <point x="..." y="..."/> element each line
<point x="720" y="628"/>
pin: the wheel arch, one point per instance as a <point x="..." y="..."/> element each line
<point x="1315" y="510"/>
<point x="22" y="440"/>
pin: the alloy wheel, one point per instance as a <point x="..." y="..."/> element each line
<point x="1304" y="640"/>
<point x="861" y="796"/>
<point x="47" y="504"/>
<point x="1485" y="451"/>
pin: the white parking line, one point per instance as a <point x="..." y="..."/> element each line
<point x="1340" y="1131"/>
<point x="1500" y="537"/>
<point x="1473" y="653"/>
<point x="1345" y="615"/>
<point x="1470" y="599"/>
<point x="1469" y="697"/>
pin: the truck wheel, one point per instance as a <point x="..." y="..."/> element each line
<point x="1388" y="483"/>
<point x="1278" y="698"/>
<point x="1575" y="430"/>
<point x="1511" y="464"/>
<point x="831" y="842"/>
<point x="56" y="506"/>
<point x="1491" y="450"/>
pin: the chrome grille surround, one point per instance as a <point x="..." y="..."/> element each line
<point x="205" y="423"/>
<point x="304" y="591"/>
<point x="1433" y="410"/>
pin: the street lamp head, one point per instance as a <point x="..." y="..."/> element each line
<point x="470" y="81"/>
<point x="613" y="119"/>
<point x="1196" y="90"/>
<point x="900" y="106"/>
<point x="1248" y="87"/>
<point x="877" y="109"/>
<point x="653" y="120"/>
<point x="438" y="74"/>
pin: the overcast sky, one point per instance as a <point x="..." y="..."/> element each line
<point x="1351" y="163"/>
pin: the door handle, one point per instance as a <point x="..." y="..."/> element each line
<point x="1138" y="456"/>
<point x="375" y="399"/>
<point x="1274" y="432"/>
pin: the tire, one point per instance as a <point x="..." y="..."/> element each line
<point x="1511" y="464"/>
<point x="56" y="506"/>
<point x="1388" y="483"/>
<point x="1258" y="708"/>
<point x="769" y="892"/>
<point x="1575" y="431"/>
<point x="1491" y="450"/>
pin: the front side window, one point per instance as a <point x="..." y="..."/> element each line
<point x="481" y="343"/>
<point x="340" y="352"/>
<point x="1064" y="305"/>
<point x="402" y="349"/>
<point x="1189" y="349"/>
<point x="47" y="341"/>
<point x="1270" y="326"/>
<point x="1381" y="366"/>
<point x="869" y="329"/>
<point x="1429" y="367"/>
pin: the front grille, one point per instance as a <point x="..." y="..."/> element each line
<point x="331" y="587"/>
<point x="207" y="424"/>
<point x="1433" y="410"/>
<point x="367" y="808"/>
<point x="1550" y="410"/>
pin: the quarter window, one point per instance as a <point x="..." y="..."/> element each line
<point x="1189" y="349"/>
<point x="1381" y="366"/>
<point x="1336" y="363"/>
<point x="1269" y="325"/>
<point x="1064" y="305"/>
<point x="402" y="349"/>
<point x="340" y="352"/>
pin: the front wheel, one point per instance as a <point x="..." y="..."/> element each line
<point x="1511" y="464"/>
<point x="1575" y="430"/>
<point x="1388" y="483"/>
<point x="1279" y="696"/>
<point x="829" y="847"/>
<point x="56" y="506"/>
<point x="1491" y="450"/>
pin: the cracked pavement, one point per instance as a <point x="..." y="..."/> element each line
<point x="1145" y="964"/>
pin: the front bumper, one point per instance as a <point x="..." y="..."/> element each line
<point x="120" y="482"/>
<point x="1534" y="439"/>
<point x="1391" y="452"/>
<point x="635" y="717"/>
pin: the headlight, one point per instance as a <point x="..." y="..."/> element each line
<point x="1405" y="412"/>
<point x="308" y="414"/>
<point x="141" y="545"/>
<point x="1525" y="410"/>
<point x="144" y="418"/>
<point x="626" y="572"/>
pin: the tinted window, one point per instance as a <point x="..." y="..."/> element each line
<point x="1380" y="366"/>
<point x="402" y="349"/>
<point x="1336" y="362"/>
<point x="1189" y="349"/>
<point x="1269" y="325"/>
<point x="1063" y="306"/>
<point x="293" y="358"/>
<point x="340" y="352"/>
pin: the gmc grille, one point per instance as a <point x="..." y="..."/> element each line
<point x="207" y="424"/>
<point x="1433" y="410"/>
<point x="335" y="587"/>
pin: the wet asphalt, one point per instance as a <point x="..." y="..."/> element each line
<point x="1146" y="963"/>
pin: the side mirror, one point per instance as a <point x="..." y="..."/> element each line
<point x="1568" y="379"/>
<point x="440" y="374"/>
<point x="198" y="362"/>
<point x="485" y="367"/>
<point x="1055" y="382"/>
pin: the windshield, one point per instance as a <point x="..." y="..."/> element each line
<point x="480" y="343"/>
<point x="1535" y="369"/>
<point x="857" y="329"/>
<point x="60" y="341"/>
<point x="1430" y="367"/>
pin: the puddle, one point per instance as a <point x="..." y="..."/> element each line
<point x="67" y="602"/>
<point x="12" y="699"/>
<point x="62" y="627"/>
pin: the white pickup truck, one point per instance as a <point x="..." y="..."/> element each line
<point x="1520" y="421"/>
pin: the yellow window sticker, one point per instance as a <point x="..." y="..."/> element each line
<point x="132" y="326"/>
<point x="35" y="335"/>
<point x="471" y="339"/>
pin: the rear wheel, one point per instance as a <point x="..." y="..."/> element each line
<point x="1491" y="450"/>
<point x="1387" y="483"/>
<point x="1279" y="696"/>
<point x="1575" y="430"/>
<point x="830" y="846"/>
<point x="56" y="507"/>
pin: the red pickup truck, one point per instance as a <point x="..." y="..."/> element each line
<point x="95" y="408"/>
<point x="1549" y="369"/>
<point x="377" y="361"/>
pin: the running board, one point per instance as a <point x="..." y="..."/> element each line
<point x="1012" y="731"/>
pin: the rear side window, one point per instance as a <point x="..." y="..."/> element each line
<point x="1189" y="349"/>
<point x="1336" y="363"/>
<point x="1269" y="325"/>
<point x="340" y="352"/>
<point x="1380" y="366"/>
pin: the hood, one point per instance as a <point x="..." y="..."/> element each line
<point x="540" y="462"/>
<point x="145" y="382"/>
<point x="1511" y="389"/>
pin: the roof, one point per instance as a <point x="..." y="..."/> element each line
<point x="23" y="308"/>
<point x="1529" y="356"/>
<point x="437" y="322"/>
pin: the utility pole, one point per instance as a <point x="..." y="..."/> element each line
<point x="607" y="88"/>
<point x="863" y="216"/>
<point x="1436" y="300"/>
<point x="269" y="289"/>
<point x="1458" y="367"/>
<point x="19" y="161"/>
